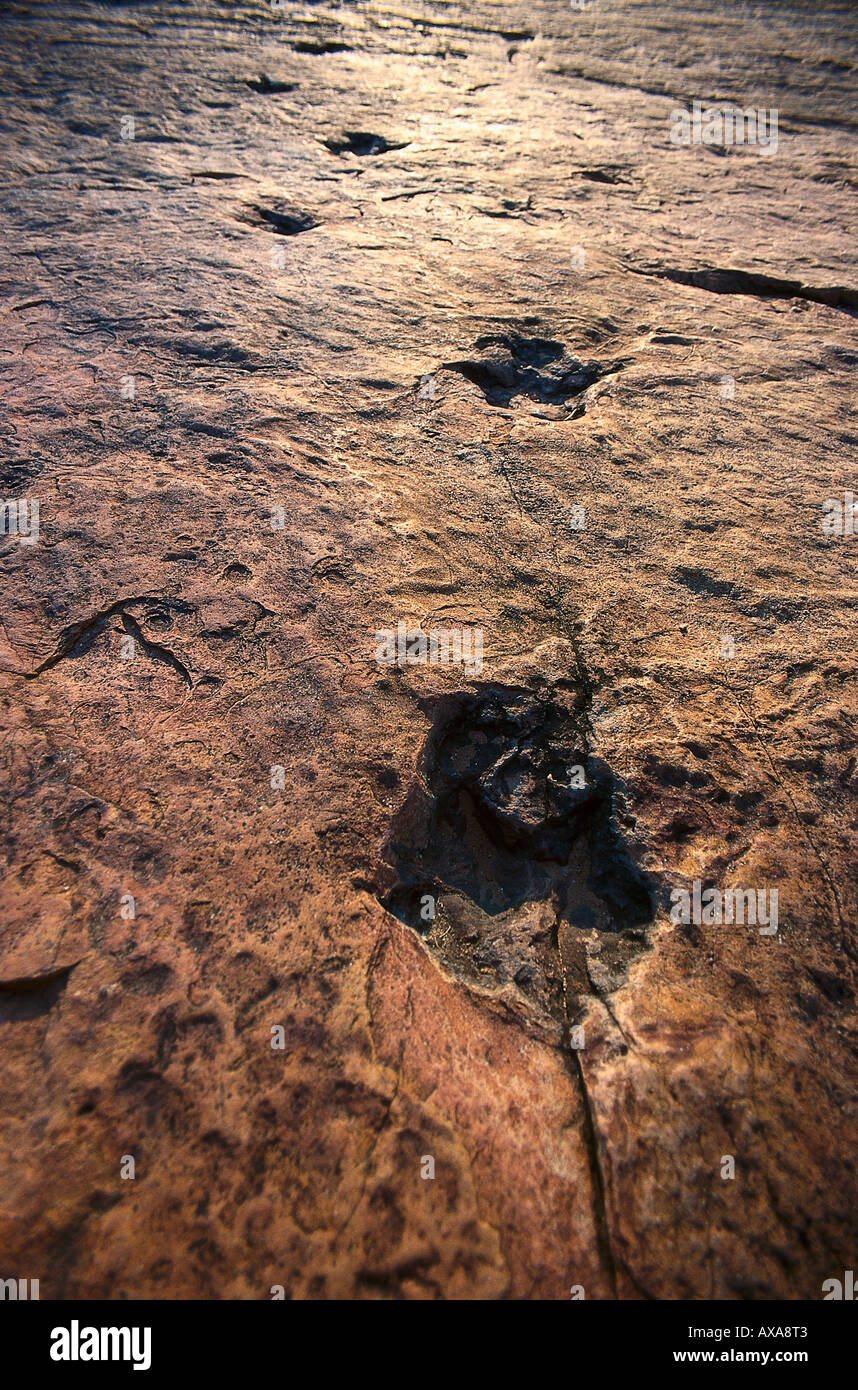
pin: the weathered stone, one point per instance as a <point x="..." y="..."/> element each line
<point x="518" y="363"/>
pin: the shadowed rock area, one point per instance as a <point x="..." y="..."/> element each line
<point x="320" y="320"/>
<point x="532" y="367"/>
<point x="510" y="820"/>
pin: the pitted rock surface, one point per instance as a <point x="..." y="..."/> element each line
<point x="322" y="318"/>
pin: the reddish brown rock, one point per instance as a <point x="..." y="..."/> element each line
<point x="339" y="336"/>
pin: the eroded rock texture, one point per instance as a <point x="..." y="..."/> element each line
<point x="379" y="314"/>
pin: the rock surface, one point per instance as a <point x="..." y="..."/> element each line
<point x="337" y="334"/>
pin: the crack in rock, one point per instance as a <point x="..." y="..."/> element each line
<point x="744" y="282"/>
<point x="154" y="650"/>
<point x="77" y="638"/>
<point x="319" y="46"/>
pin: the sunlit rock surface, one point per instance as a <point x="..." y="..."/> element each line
<point x="322" y="319"/>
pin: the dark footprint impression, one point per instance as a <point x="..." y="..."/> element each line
<point x="537" y="368"/>
<point x="506" y="855"/>
<point x="283" y="218"/>
<point x="269" y="86"/>
<point x="362" y="142"/>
